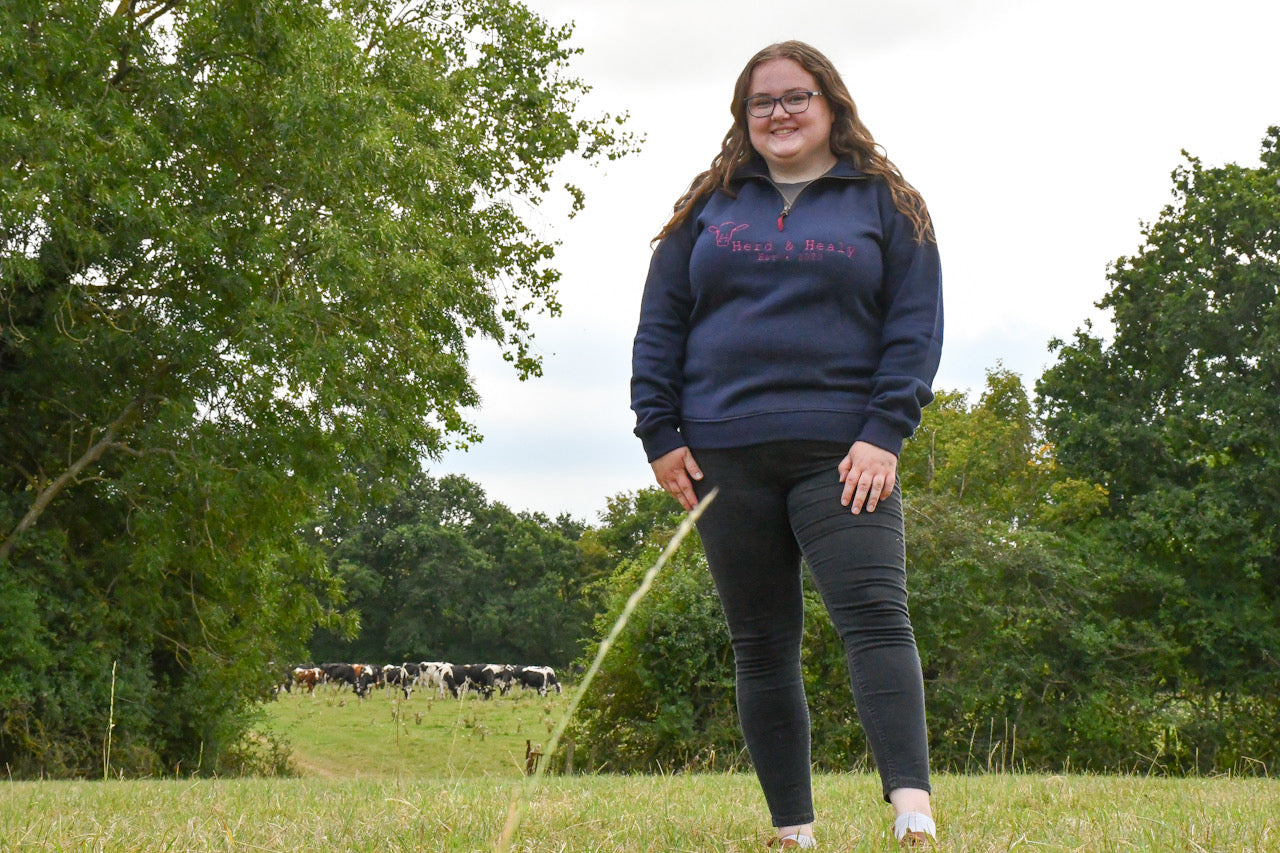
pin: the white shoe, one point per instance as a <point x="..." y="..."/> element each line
<point x="913" y="829"/>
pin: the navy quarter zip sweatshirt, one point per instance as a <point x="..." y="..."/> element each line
<point x="762" y="323"/>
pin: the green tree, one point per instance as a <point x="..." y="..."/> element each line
<point x="1176" y="416"/>
<point x="988" y="454"/>
<point x="663" y="698"/>
<point x="243" y="247"/>
<point x="632" y="522"/>
<point x="435" y="571"/>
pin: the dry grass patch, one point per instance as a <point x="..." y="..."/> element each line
<point x="695" y="812"/>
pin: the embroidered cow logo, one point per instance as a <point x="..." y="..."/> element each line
<point x="724" y="232"/>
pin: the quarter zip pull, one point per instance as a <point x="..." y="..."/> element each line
<point x="783" y="215"/>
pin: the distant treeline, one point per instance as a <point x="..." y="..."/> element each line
<point x="437" y="568"/>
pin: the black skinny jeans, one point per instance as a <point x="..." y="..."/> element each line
<point x="778" y="502"/>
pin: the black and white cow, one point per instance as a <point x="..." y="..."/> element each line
<point x="360" y="677"/>
<point x="504" y="675"/>
<point x="540" y="678"/>
<point x="431" y="675"/>
<point x="471" y="676"/>
<point x="396" y="675"/>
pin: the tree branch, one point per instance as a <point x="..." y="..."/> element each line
<point x="53" y="489"/>
<point x="156" y="11"/>
<point x="147" y="14"/>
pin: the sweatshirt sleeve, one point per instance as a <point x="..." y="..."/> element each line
<point x="657" y="355"/>
<point x="911" y="340"/>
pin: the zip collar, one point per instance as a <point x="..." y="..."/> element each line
<point x="756" y="169"/>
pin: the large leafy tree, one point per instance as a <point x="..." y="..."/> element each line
<point x="243" y="246"/>
<point x="1176" y="415"/>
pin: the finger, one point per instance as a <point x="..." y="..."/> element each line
<point x="692" y="466"/>
<point x="688" y="497"/>
<point x="681" y="489"/>
<point x="865" y="482"/>
<point x="850" y="483"/>
<point x="876" y="493"/>
<point x="889" y="480"/>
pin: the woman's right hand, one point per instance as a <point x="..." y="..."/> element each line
<point x="674" y="471"/>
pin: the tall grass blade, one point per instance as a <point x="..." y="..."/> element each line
<point x="111" y="724"/>
<point x="520" y="797"/>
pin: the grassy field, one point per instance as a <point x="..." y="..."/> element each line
<point x="336" y="736"/>
<point x="430" y="774"/>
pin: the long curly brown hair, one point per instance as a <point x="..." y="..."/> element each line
<point x="850" y="140"/>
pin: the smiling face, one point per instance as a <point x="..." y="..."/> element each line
<point x="795" y="147"/>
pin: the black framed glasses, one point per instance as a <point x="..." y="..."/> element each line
<point x="762" y="106"/>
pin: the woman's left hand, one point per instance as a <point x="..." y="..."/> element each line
<point x="868" y="473"/>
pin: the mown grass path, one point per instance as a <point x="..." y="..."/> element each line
<point x="429" y="774"/>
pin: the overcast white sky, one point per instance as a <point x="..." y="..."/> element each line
<point x="1042" y="135"/>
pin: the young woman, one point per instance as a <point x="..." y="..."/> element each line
<point x="789" y="333"/>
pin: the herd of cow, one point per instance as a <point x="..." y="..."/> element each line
<point x="455" y="679"/>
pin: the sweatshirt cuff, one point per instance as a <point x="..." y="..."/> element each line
<point x="662" y="442"/>
<point x="883" y="435"/>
